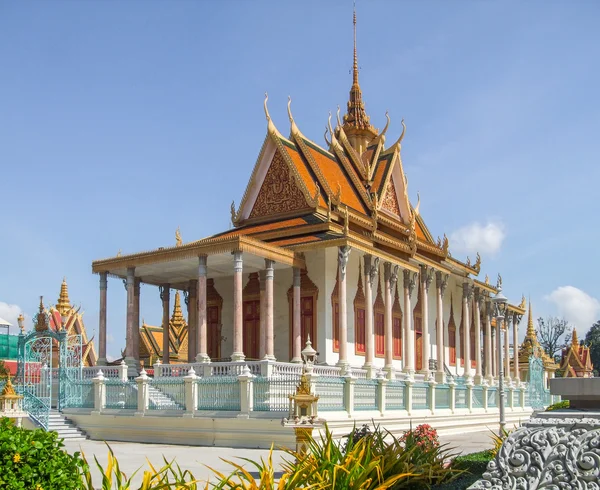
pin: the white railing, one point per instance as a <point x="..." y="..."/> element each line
<point x="90" y="372"/>
<point x="287" y="369"/>
<point x="234" y="368"/>
<point x="174" y="370"/>
<point x="359" y="373"/>
<point x="327" y="370"/>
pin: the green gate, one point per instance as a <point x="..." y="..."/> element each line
<point x="536" y="386"/>
<point x="48" y="360"/>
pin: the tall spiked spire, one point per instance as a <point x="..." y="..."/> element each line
<point x="177" y="320"/>
<point x="63" y="305"/>
<point x="530" y="328"/>
<point x="356" y="122"/>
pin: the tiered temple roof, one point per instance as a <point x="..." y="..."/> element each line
<point x="576" y="361"/>
<point x="531" y="347"/>
<point x="151" y="338"/>
<point x="52" y="318"/>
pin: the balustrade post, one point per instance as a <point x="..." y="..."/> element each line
<point x="143" y="397"/>
<point x="408" y="392"/>
<point x="246" y="398"/>
<point x="469" y="394"/>
<point x="267" y="367"/>
<point x="311" y="377"/>
<point x="381" y="389"/>
<point x="511" y="401"/>
<point x="207" y="370"/>
<point x="191" y="392"/>
<point x="432" y="384"/>
<point x="349" y="394"/>
<point x="452" y="385"/>
<point x="157" y="369"/>
<point x="123" y="371"/>
<point x="485" y="389"/>
<point x="522" y="397"/>
<point x="99" y="392"/>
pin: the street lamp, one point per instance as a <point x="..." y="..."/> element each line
<point x="500" y="303"/>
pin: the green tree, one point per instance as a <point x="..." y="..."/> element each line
<point x="553" y="334"/>
<point x="592" y="340"/>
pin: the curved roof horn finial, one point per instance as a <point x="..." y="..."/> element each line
<point x="329" y="124"/>
<point x="266" y="108"/>
<point x="418" y="204"/>
<point x="338" y="117"/>
<point x="289" y="109"/>
<point x="397" y="143"/>
<point x="387" y="124"/>
<point x="325" y="136"/>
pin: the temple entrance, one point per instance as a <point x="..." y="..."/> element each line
<point x="251" y="328"/>
<point x="213" y="333"/>
<point x="419" y="350"/>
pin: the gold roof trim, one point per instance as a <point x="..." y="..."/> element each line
<point x="486" y="287"/>
<point x="431" y="263"/>
<point x="208" y="246"/>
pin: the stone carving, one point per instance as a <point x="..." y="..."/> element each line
<point x="549" y="457"/>
<point x="279" y="192"/>
<point x="343" y="255"/>
<point x="390" y="200"/>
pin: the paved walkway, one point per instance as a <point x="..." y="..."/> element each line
<point x="132" y="456"/>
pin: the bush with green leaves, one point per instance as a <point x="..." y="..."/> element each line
<point x="559" y="405"/>
<point x="35" y="460"/>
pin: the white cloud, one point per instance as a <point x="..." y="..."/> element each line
<point x="110" y="338"/>
<point x="472" y="238"/>
<point x="10" y="313"/>
<point x="577" y="307"/>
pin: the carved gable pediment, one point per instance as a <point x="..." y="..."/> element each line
<point x="390" y="200"/>
<point x="279" y="192"/>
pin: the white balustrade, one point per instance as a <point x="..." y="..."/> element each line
<point x="327" y="370"/>
<point x="90" y="372"/>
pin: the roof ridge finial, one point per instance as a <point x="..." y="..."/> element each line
<point x="64" y="304"/>
<point x="355" y="66"/>
<point x="574" y="339"/>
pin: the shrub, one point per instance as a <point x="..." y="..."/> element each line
<point x="423" y="436"/>
<point x="34" y="459"/>
<point x="473" y="465"/>
<point x="559" y="405"/>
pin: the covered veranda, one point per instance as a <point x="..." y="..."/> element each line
<point x="187" y="267"/>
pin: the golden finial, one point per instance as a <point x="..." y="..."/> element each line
<point x="468" y="261"/>
<point x="325" y="136"/>
<point x="119" y="253"/>
<point x="387" y="124"/>
<point x="477" y="265"/>
<point x="21" y="322"/>
<point x="266" y="108"/>
<point x="41" y="323"/>
<point x="530" y="328"/>
<point x="399" y="140"/>
<point x="330" y="128"/>
<point x="63" y="305"/>
<point x="355" y="65"/>
<point x="337" y="115"/>
<point x="178" y="240"/>
<point x="445" y="245"/>
<point x="574" y="339"/>
<point x="289" y="109"/>
<point x="8" y="389"/>
<point x="233" y="213"/>
<point x="487" y="279"/>
<point x="177" y="320"/>
<point x="418" y="203"/>
<point x="523" y="303"/>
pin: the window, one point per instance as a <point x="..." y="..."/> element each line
<point x="359" y="314"/>
<point x="379" y="309"/>
<point x="397" y="327"/>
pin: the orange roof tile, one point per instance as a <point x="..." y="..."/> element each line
<point x="333" y="173"/>
<point x="275" y="225"/>
<point x="420" y="233"/>
<point x="297" y="240"/>
<point x="304" y="171"/>
<point x="380" y="173"/>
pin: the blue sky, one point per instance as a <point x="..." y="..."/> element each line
<point x="123" y="120"/>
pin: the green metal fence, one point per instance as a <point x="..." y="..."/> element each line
<point x="330" y="391"/>
<point x="273" y="394"/>
<point x="219" y="393"/>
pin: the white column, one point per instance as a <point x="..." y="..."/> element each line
<point x="495" y="353"/>
<point x="516" y="321"/>
<point x="238" y="313"/>
<point x="130" y="285"/>
<point x="441" y="281"/>
<point x="269" y="335"/>
<point x="296" y="318"/>
<point x="426" y="278"/>
<point x="467" y="295"/>
<point x="507" y="321"/>
<point x="102" y="319"/>
<point x="489" y="363"/>
<point x="165" y="293"/>
<point x="390" y="276"/>
<point x="343" y="254"/>
<point x="136" y="322"/>
<point x="262" y="345"/>
<point x="201" y="316"/>
<point x="371" y="270"/>
<point x="410" y="281"/>
<point x="477" y="317"/>
<point x="191" y="301"/>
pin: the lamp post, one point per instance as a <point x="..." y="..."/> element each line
<point x="500" y="303"/>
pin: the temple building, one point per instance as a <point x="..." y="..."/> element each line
<point x="65" y="316"/>
<point x="575" y="361"/>
<point x="324" y="243"/>
<point x="151" y="337"/>
<point x="531" y="347"/>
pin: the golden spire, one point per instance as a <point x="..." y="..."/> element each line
<point x="63" y="305"/>
<point x="178" y="240"/>
<point x="41" y="322"/>
<point x="177" y="320"/>
<point x="574" y="340"/>
<point x="8" y="389"/>
<point x="356" y="122"/>
<point x="530" y="328"/>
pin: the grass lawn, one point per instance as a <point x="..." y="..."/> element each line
<point x="474" y="465"/>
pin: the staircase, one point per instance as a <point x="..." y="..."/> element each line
<point x="64" y="427"/>
<point x="161" y="400"/>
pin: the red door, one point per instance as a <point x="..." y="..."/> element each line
<point x="307" y="321"/>
<point x="213" y="333"/>
<point x="336" y="327"/>
<point x="251" y="328"/>
<point x="397" y="328"/>
<point x="379" y="335"/>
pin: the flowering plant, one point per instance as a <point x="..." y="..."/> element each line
<point x="423" y="436"/>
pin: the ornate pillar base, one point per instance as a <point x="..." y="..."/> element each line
<point x="390" y="372"/>
<point x="478" y="379"/>
<point x="440" y="377"/>
<point x="132" y="367"/>
<point x="490" y="380"/>
<point x="238" y="357"/>
<point x="371" y="370"/>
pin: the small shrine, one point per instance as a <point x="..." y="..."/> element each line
<point x="531" y="347"/>
<point x="575" y="361"/>
<point x="303" y="416"/>
<point x="11" y="404"/>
